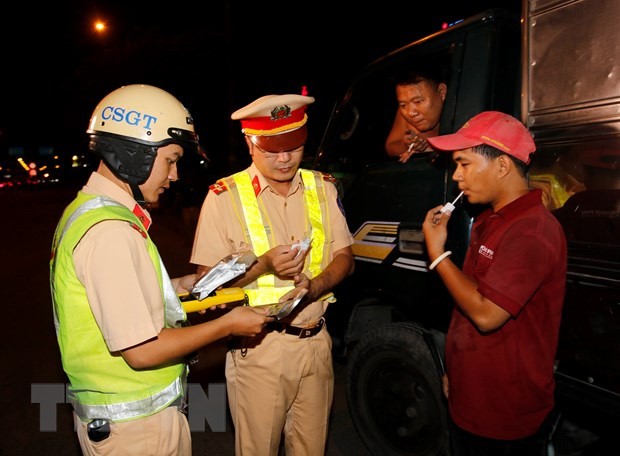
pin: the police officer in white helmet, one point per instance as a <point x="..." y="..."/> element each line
<point x="118" y="319"/>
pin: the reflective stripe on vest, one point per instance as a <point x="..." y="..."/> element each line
<point x="129" y="410"/>
<point x="267" y="291"/>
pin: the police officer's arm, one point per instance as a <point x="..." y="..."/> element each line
<point x="484" y="313"/>
<point x="173" y="344"/>
<point x="282" y="261"/>
<point x="341" y="266"/>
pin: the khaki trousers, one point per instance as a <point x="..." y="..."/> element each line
<point x="164" y="434"/>
<point x="281" y="385"/>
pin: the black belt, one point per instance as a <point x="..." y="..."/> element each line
<point x="302" y="333"/>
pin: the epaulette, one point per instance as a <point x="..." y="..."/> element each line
<point x="328" y="178"/>
<point x="138" y="229"/>
<point x="219" y="187"/>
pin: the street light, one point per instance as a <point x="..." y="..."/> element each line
<point x="100" y="26"/>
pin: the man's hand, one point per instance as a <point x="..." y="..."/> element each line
<point x="302" y="285"/>
<point x="414" y="143"/>
<point x="435" y="228"/>
<point x="184" y="284"/>
<point x="247" y="321"/>
<point x="284" y="261"/>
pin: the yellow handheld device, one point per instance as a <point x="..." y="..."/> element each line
<point x="222" y="296"/>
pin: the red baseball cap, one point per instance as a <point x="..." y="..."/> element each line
<point x="275" y="123"/>
<point x="494" y="128"/>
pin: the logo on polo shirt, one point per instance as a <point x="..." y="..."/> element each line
<point x="485" y="251"/>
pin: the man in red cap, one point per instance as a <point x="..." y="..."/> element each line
<point x="282" y="383"/>
<point x="503" y="334"/>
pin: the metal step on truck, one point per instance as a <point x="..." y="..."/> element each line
<point x="556" y="66"/>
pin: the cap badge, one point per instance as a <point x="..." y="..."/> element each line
<point x="280" y="112"/>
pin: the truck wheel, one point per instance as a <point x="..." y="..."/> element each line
<point x="394" y="393"/>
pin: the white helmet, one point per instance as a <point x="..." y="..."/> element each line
<point x="130" y="123"/>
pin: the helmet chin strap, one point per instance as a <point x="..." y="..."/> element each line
<point x="137" y="194"/>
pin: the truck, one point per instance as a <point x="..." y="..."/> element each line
<point x="555" y="66"/>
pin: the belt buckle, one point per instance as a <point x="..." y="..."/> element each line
<point x="309" y="332"/>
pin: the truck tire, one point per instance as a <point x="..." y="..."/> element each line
<point x="394" y="393"/>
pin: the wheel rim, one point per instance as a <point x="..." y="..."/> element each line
<point x="399" y="404"/>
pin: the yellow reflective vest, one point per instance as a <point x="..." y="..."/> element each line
<point x="266" y="290"/>
<point x="103" y="385"/>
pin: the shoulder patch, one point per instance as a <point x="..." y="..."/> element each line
<point x="219" y="187"/>
<point x="328" y="178"/>
<point x="139" y="212"/>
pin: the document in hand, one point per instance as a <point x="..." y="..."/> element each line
<point x="224" y="271"/>
<point x="283" y="309"/>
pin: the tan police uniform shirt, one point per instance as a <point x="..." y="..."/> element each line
<point x="220" y="230"/>
<point x="121" y="283"/>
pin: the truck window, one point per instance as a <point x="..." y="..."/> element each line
<point x="367" y="114"/>
<point x="581" y="186"/>
<point x="419" y="93"/>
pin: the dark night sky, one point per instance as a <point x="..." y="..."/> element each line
<point x="55" y="69"/>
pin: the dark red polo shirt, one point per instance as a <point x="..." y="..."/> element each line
<point x="501" y="383"/>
